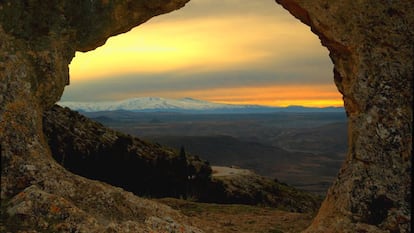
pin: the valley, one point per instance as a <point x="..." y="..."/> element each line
<point x="303" y="149"/>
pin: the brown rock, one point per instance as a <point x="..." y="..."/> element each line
<point x="37" y="41"/>
<point x="371" y="44"/>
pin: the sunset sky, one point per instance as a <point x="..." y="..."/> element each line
<point x="228" y="51"/>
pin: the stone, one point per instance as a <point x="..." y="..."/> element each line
<point x="37" y="42"/>
<point x="371" y="45"/>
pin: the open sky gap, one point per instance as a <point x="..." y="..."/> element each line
<point x="232" y="51"/>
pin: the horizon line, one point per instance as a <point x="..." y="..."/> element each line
<point x="247" y="103"/>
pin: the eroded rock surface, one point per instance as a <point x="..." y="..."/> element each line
<point x="37" y="41"/>
<point x="371" y="44"/>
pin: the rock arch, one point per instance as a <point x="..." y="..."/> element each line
<point x="371" y="44"/>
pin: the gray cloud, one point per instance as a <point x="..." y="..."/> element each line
<point x="307" y="66"/>
<point x="106" y="88"/>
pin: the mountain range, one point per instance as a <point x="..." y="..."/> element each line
<point x="190" y="105"/>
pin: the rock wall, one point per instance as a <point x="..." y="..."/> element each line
<point x="37" y="41"/>
<point x="371" y="44"/>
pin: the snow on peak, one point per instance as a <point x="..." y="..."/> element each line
<point x="152" y="104"/>
<point x="147" y="103"/>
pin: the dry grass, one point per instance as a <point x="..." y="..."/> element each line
<point x="239" y="218"/>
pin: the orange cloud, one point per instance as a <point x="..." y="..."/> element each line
<point x="163" y="45"/>
<point x="267" y="40"/>
<point x="311" y="96"/>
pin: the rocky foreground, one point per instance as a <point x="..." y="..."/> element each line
<point x="89" y="149"/>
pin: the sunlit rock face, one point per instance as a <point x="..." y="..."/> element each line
<point x="371" y="44"/>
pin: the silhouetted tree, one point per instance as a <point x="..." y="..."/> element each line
<point x="182" y="158"/>
<point x="182" y="153"/>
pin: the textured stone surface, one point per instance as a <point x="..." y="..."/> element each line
<point x="37" y="41"/>
<point x="371" y="45"/>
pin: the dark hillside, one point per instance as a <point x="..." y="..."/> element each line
<point x="89" y="149"/>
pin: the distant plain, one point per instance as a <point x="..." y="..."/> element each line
<point x="304" y="149"/>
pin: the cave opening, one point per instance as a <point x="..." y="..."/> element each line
<point x="370" y="45"/>
<point x="311" y="144"/>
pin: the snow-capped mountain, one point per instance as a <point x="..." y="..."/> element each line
<point x="151" y="104"/>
